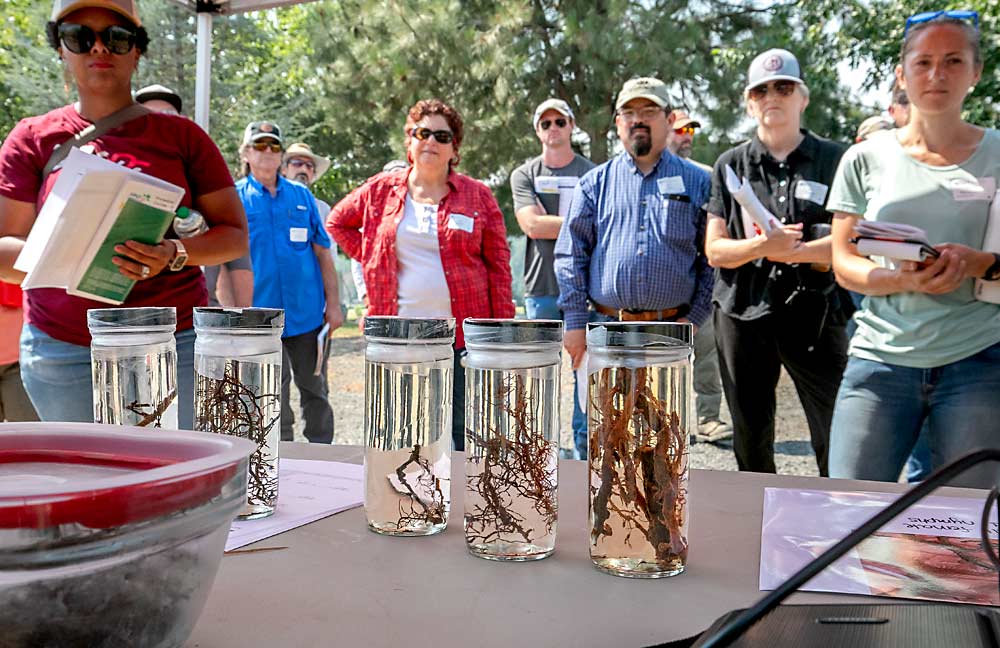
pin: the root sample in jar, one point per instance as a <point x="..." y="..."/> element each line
<point x="638" y="472"/>
<point x="511" y="505"/>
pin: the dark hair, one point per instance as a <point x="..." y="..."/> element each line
<point x="52" y="35"/>
<point x="971" y="35"/>
<point x="899" y="95"/>
<point x="426" y="107"/>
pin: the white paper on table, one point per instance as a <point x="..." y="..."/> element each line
<point x="307" y="491"/>
<point x="989" y="291"/>
<point x="799" y="525"/>
<point x="750" y="203"/>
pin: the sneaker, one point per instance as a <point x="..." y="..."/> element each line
<point x="714" y="431"/>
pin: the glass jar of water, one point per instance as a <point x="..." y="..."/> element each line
<point x="511" y="437"/>
<point x="237" y="363"/>
<point x="134" y="359"/>
<point x="639" y="409"/>
<point x="408" y="395"/>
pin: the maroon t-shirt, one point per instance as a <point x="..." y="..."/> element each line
<point x="169" y="147"/>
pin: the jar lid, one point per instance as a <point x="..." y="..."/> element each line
<point x="103" y="319"/>
<point x="639" y="335"/>
<point x="239" y="318"/>
<point x="511" y="331"/>
<point x="410" y="328"/>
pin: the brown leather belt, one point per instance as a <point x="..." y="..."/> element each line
<point x="627" y="315"/>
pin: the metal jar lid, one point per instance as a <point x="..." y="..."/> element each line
<point x="410" y="328"/>
<point x="511" y="331"/>
<point x="640" y="335"/>
<point x="239" y="318"/>
<point x="147" y="318"/>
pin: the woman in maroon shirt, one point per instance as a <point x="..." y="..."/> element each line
<point x="100" y="42"/>
<point x="431" y="241"/>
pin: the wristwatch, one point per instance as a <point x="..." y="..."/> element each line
<point x="993" y="272"/>
<point x="180" y="256"/>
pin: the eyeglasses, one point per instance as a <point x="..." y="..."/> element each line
<point x="559" y="121"/>
<point x="643" y="114"/>
<point x="274" y="147"/>
<point x="297" y="162"/>
<point x="80" y="39"/>
<point x="687" y="130"/>
<point x="783" y="88"/>
<point x="440" y="136"/>
<point x="957" y="14"/>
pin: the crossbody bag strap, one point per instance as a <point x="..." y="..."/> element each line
<point x="92" y="132"/>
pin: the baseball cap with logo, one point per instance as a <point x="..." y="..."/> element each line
<point x="557" y="105"/>
<point x="643" y="88"/>
<point x="682" y="119"/>
<point x="259" y="130"/>
<point x="773" y="65"/>
<point x="127" y="8"/>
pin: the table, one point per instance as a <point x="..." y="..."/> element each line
<point x="339" y="584"/>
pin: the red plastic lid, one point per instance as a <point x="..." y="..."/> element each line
<point x="103" y="476"/>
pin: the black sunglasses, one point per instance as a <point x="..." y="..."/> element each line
<point x="783" y="88"/>
<point x="80" y="39"/>
<point x="559" y="121"/>
<point x="441" y="136"/>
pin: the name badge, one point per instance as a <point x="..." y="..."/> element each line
<point x="670" y="185"/>
<point x="555" y="184"/>
<point x="298" y="234"/>
<point x="460" y="222"/>
<point x="301" y="208"/>
<point x="966" y="189"/>
<point x="811" y="191"/>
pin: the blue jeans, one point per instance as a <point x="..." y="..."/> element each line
<point x="57" y="376"/>
<point x="548" y="308"/>
<point x="881" y="409"/>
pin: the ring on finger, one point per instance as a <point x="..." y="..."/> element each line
<point x="145" y="271"/>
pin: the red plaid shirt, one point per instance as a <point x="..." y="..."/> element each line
<point x="476" y="264"/>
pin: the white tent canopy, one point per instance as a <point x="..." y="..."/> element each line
<point x="205" y="10"/>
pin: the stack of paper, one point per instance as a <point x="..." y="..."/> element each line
<point x="893" y="241"/>
<point x="754" y="212"/>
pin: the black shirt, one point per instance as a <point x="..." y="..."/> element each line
<point x="795" y="191"/>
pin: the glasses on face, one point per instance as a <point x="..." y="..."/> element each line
<point x="687" y="130"/>
<point x="80" y="39"/>
<point x="440" y="136"/>
<point x="558" y="121"/>
<point x="297" y="163"/>
<point x="273" y="147"/>
<point x="957" y="14"/>
<point x="784" y="88"/>
<point x="641" y="114"/>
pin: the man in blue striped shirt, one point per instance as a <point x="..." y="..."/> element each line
<point x="630" y="248"/>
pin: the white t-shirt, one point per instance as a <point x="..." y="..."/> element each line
<point x="423" y="290"/>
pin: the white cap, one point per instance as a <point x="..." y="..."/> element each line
<point x="557" y="105"/>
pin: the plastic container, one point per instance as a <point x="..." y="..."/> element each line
<point x="189" y="222"/>
<point x="511" y="437"/>
<point x="408" y="394"/>
<point x="134" y="358"/>
<point x="237" y="367"/>
<point x="109" y="535"/>
<point x="640" y="408"/>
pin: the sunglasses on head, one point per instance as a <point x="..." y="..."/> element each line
<point x="687" y="130"/>
<point x="783" y="88"/>
<point x="262" y="146"/>
<point x="80" y="39"/>
<point x="302" y="163"/>
<point x="558" y="121"/>
<point x="441" y="136"/>
<point x="957" y="14"/>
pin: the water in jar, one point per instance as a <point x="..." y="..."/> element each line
<point x="135" y="385"/>
<point x="512" y="452"/>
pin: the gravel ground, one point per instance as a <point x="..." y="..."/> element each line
<point x="793" y="454"/>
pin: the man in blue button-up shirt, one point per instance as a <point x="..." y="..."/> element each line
<point x="631" y="246"/>
<point x="292" y="269"/>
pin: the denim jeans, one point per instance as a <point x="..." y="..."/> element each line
<point x="547" y="308"/>
<point x="57" y="376"/>
<point x="881" y="409"/>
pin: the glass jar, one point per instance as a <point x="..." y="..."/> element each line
<point x="237" y="371"/>
<point x="640" y="407"/>
<point x="134" y="360"/>
<point x="408" y="395"/>
<point x="511" y="437"/>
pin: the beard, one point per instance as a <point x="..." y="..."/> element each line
<point x="640" y="140"/>
<point x="684" y="150"/>
<point x="301" y="177"/>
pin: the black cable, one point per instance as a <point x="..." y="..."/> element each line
<point x="734" y="629"/>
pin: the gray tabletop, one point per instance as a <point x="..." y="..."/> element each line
<point x="338" y="584"/>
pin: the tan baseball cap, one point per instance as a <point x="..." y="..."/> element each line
<point x="299" y="149"/>
<point x="682" y="119"/>
<point x="644" y="88"/>
<point x="127" y="8"/>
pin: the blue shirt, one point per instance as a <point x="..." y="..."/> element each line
<point x="634" y="241"/>
<point x="286" y="273"/>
